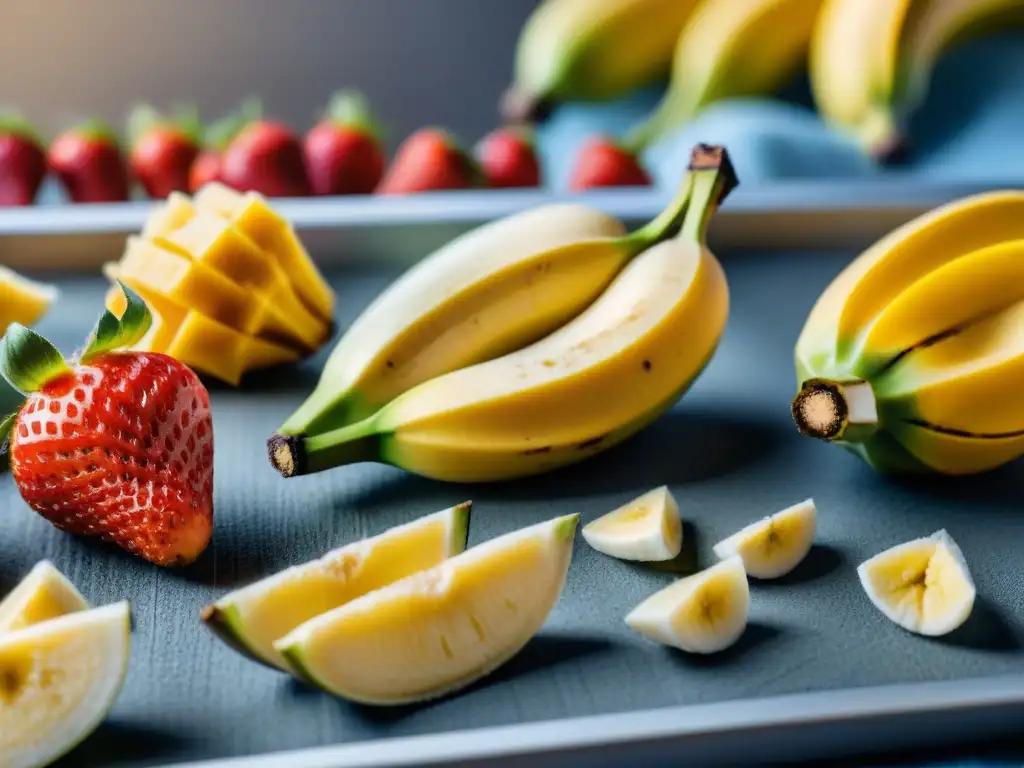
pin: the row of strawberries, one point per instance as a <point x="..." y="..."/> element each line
<point x="342" y="154"/>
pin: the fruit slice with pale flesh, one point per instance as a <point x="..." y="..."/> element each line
<point x="774" y="546"/>
<point x="173" y="213"/>
<point x="439" y="630"/>
<point x="703" y="613"/>
<point x="647" y="529"/>
<point x="45" y="593"/>
<point x="252" y="618"/>
<point x="253" y="216"/>
<point x="23" y="300"/>
<point x="58" y="680"/>
<point x="923" y="585"/>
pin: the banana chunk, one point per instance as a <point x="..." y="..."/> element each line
<point x="775" y="545"/>
<point x="923" y="585"/>
<point x="704" y="613"/>
<point x="647" y="529"/>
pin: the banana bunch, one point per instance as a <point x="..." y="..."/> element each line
<point x="529" y="350"/>
<point x="581" y="50"/>
<point x="871" y="60"/>
<point x="729" y="49"/>
<point x="913" y="357"/>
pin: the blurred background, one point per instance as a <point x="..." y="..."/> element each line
<point x="956" y="101"/>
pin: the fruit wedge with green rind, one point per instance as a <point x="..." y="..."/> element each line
<point x="58" y="680"/>
<point x="440" y="630"/>
<point x="45" y="593"/>
<point x="252" y="618"/>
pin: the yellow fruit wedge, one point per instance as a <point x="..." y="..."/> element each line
<point x="437" y="631"/>
<point x="646" y="529"/>
<point x="252" y="215"/>
<point x="775" y="545"/>
<point x="172" y="214"/>
<point x="703" y="613"/>
<point x="23" y="300"/>
<point x="58" y="680"/>
<point x="252" y="618"/>
<point x="197" y="286"/>
<point x="212" y="240"/>
<point x="44" y="594"/>
<point x="196" y="340"/>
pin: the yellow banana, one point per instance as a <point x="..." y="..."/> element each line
<point x="728" y="49"/>
<point x="581" y="50"/>
<point x="489" y="292"/>
<point x="913" y="357"/>
<point x="871" y="60"/>
<point x="595" y="381"/>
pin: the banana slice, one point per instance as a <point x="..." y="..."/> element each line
<point x="774" y="546"/>
<point x="923" y="585"/>
<point x="45" y="593"/>
<point x="646" y="529"/>
<point x="703" y="613"/>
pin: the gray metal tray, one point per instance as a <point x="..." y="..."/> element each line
<point x="818" y="673"/>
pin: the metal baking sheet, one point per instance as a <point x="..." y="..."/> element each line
<point x="819" y="672"/>
<point x="376" y="231"/>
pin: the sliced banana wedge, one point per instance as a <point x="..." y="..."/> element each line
<point x="646" y="529"/>
<point x="703" y="613"/>
<point x="923" y="585"/>
<point x="774" y="546"/>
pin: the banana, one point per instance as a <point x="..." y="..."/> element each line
<point x="595" y="381"/>
<point x="584" y="50"/>
<point x="704" y="613"/>
<point x="913" y="357"/>
<point x="923" y="585"/>
<point x="488" y="292"/>
<point x="871" y="60"/>
<point x="728" y="49"/>
<point x="647" y="529"/>
<point x="774" y="546"/>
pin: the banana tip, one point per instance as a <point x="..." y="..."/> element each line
<point x="518" y="106"/>
<point x="286" y="454"/>
<point x="819" y="411"/>
<point x="891" y="151"/>
<point x="710" y="157"/>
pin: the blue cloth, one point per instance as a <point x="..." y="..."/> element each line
<point x="971" y="128"/>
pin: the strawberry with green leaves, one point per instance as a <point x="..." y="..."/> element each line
<point x="508" y="159"/>
<point x="22" y="161"/>
<point x="163" y="148"/>
<point x="87" y="159"/>
<point x="430" y="159"/>
<point x="343" y="151"/>
<point x="112" y="444"/>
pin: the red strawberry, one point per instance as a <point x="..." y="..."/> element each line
<point x="22" y="161"/>
<point x="205" y="168"/>
<point x="163" y="150"/>
<point x="343" y="151"/>
<point x="116" y="445"/>
<point x="430" y="159"/>
<point x="507" y="158"/>
<point x="603" y="163"/>
<point x="264" y="157"/>
<point x="89" y="164"/>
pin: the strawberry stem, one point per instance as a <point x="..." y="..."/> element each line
<point x="113" y="332"/>
<point x="348" y="108"/>
<point x="96" y="130"/>
<point x="15" y="124"/>
<point x="28" y="361"/>
<point x="143" y="119"/>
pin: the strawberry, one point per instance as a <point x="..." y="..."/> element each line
<point x="603" y="163"/>
<point x="217" y="136"/>
<point x="89" y="164"/>
<point x="162" y="149"/>
<point x="22" y="161"/>
<point x="507" y="158"/>
<point x="430" y="159"/>
<point x="205" y="168"/>
<point x="343" y="151"/>
<point x="114" y="444"/>
<point x="263" y="156"/>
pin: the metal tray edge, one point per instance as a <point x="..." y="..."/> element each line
<point x="733" y="732"/>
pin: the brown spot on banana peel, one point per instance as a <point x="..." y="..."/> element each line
<point x="591" y="443"/>
<point x="534" y="451"/>
<point x="647" y="365"/>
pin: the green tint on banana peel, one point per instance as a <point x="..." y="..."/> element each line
<point x="587" y="386"/>
<point x="489" y="292"/>
<point x="913" y="358"/>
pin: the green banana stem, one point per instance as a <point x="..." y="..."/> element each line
<point x="831" y="410"/>
<point x="296" y="455"/>
<point x="666" y="223"/>
<point x="673" y="111"/>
